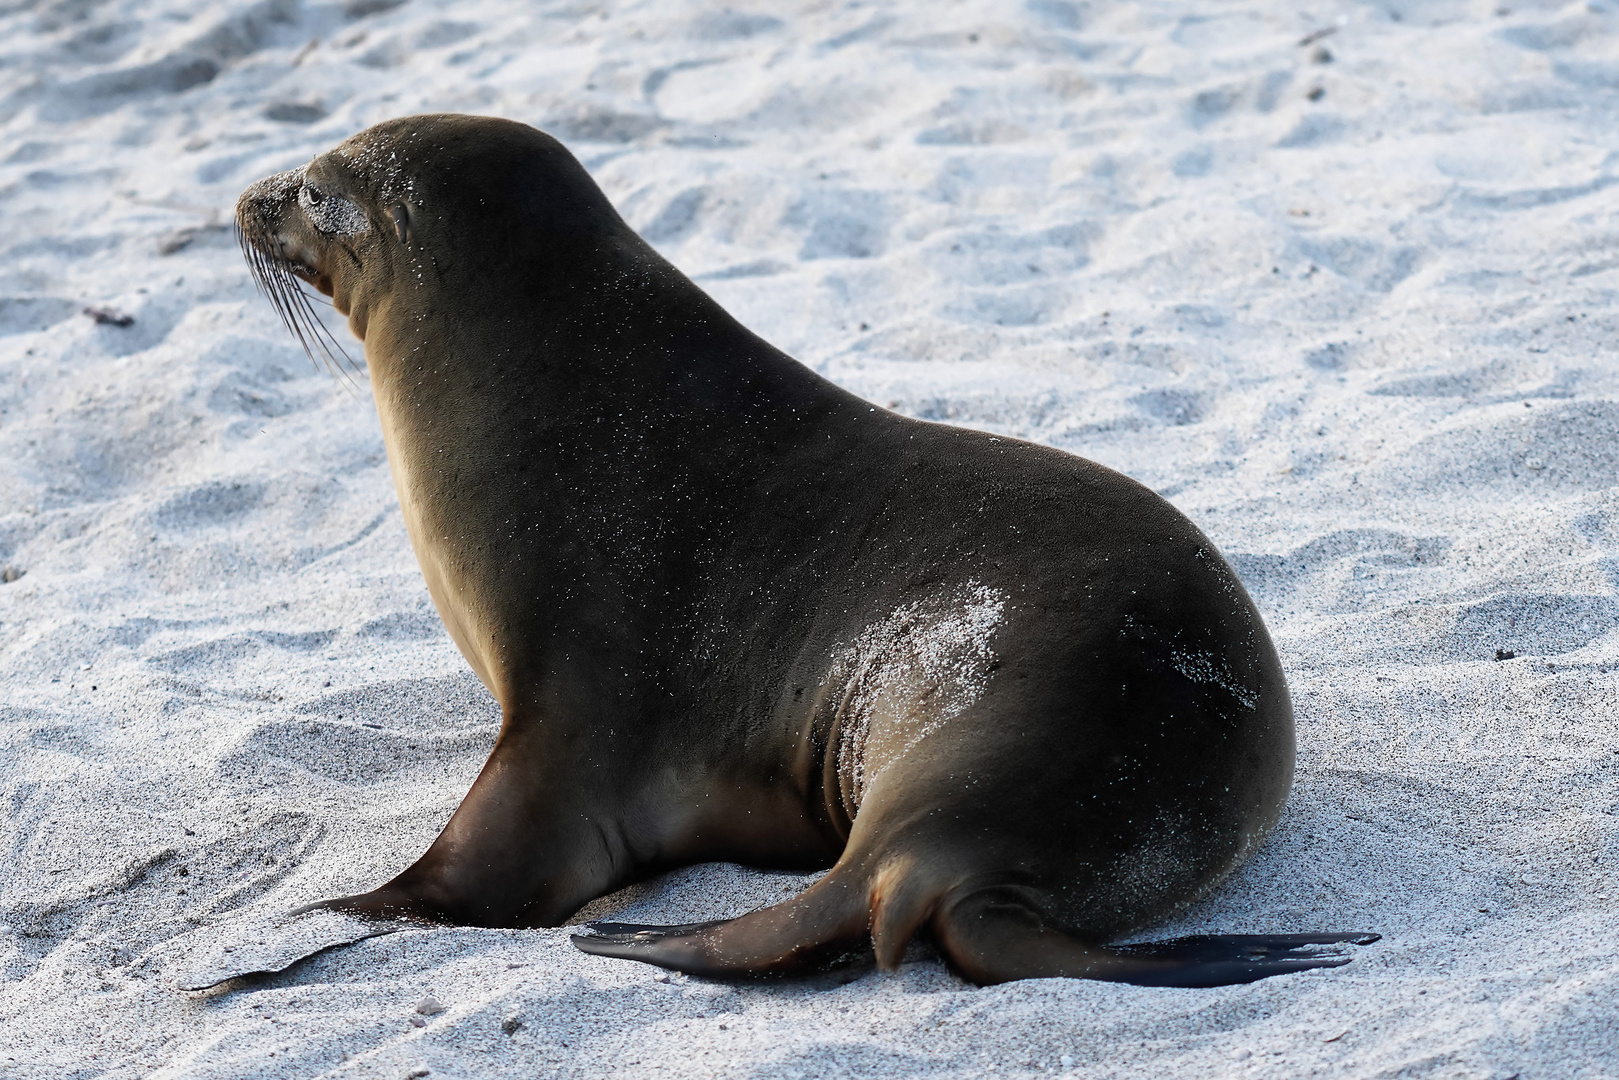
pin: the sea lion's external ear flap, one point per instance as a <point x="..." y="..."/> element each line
<point x="401" y="219"/>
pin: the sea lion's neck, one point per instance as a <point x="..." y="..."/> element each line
<point x="632" y="338"/>
<point x="624" y="424"/>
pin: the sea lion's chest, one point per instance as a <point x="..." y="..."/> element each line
<point x="440" y="530"/>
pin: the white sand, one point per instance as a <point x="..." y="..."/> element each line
<point x="1360" y="337"/>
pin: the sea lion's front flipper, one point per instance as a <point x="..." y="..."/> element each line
<point x="265" y="945"/>
<point x="990" y="939"/>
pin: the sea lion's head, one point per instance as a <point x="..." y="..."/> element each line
<point x="420" y="214"/>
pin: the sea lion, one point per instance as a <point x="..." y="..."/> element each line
<point x="732" y="611"/>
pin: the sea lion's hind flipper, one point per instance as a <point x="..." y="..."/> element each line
<point x="823" y="927"/>
<point x="660" y="945"/>
<point x="1228" y="959"/>
<point x="696" y="950"/>
<point x="682" y="948"/>
<point x="619" y="929"/>
<point x="992" y="940"/>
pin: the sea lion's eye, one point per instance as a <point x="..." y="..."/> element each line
<point x="331" y="213"/>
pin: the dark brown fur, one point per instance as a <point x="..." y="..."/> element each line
<point x="731" y="611"/>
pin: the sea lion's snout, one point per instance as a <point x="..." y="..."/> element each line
<point x="261" y="207"/>
<point x="282" y="222"/>
<point x="270" y="218"/>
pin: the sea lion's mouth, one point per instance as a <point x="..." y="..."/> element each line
<point x="305" y="272"/>
<point x="300" y="262"/>
<point x="280" y="267"/>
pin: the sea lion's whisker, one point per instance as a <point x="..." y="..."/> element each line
<point x="276" y="289"/>
<point x="293" y="318"/>
<point x="285" y="291"/>
<point x="323" y="338"/>
<point x="282" y="281"/>
<point x="276" y="281"/>
<point x="312" y="330"/>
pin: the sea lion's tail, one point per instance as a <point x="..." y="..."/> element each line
<point x="989" y="935"/>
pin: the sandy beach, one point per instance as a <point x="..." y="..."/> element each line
<point x="1337" y="279"/>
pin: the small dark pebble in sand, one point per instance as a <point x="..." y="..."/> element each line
<point x="109" y="317"/>
<point x="1317" y="94"/>
<point x="1322" y="55"/>
<point x="1504" y="654"/>
<point x="359" y="9"/>
<point x="511" y="1025"/>
<point x="9" y="574"/>
<point x="295" y="112"/>
<point x="180" y="239"/>
<point x="377" y="726"/>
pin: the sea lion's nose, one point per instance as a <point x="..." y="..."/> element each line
<point x="260" y="204"/>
